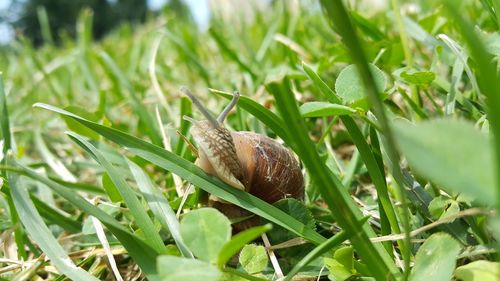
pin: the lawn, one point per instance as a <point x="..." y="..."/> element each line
<point x="391" y="115"/>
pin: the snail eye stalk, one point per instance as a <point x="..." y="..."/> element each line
<point x="231" y="105"/>
<point x="200" y="107"/>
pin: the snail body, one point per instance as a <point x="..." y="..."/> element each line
<point x="245" y="160"/>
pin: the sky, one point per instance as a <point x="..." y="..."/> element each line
<point x="199" y="8"/>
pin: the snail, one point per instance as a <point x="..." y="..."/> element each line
<point x="245" y="160"/>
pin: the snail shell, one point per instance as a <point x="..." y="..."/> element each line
<point x="245" y="160"/>
<point x="251" y="162"/>
<point x="270" y="171"/>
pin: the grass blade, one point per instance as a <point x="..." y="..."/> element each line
<point x="159" y="206"/>
<point x="4" y="121"/>
<point x="136" y="209"/>
<point x="340" y="18"/>
<point x="54" y="216"/>
<point x="5" y="146"/>
<point x="340" y="204"/>
<point x="142" y="253"/>
<point x="37" y="229"/>
<point x="374" y="169"/>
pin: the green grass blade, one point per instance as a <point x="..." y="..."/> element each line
<point x="37" y="229"/>
<point x="367" y="155"/>
<point x="4" y="121"/>
<point x="340" y="204"/>
<point x="327" y="92"/>
<point x="186" y="110"/>
<point x="136" y="209"/>
<point x="332" y="242"/>
<point x="96" y="190"/>
<point x="43" y="19"/>
<point x="54" y="216"/>
<point x="159" y="206"/>
<point x="340" y="18"/>
<point x="141" y="252"/>
<point x="55" y="164"/>
<point x="5" y="146"/>
<point x="195" y="175"/>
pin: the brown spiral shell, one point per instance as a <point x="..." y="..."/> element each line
<point x="270" y="172"/>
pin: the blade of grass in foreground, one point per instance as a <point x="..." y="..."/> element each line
<point x="5" y="146"/>
<point x="195" y="175"/>
<point x="367" y="155"/>
<point x="159" y="206"/>
<point x="4" y="121"/>
<point x="136" y="209"/>
<point x="142" y="253"/>
<point x="340" y="204"/>
<point x="39" y="231"/>
<point x="337" y="13"/>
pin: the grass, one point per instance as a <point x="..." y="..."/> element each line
<point x="96" y="129"/>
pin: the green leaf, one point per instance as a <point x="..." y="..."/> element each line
<point x="349" y="85"/>
<point x="172" y="268"/>
<point x="296" y="209"/>
<point x="238" y="241"/>
<point x="55" y="216"/>
<point x="321" y="109"/>
<point x="421" y="78"/>
<point x="436" y="258"/>
<point x="253" y="258"/>
<point x="478" y="271"/>
<point x="337" y="270"/>
<point x="438" y="206"/>
<point x="341" y="267"/>
<point x="345" y="256"/>
<point x="205" y="231"/>
<point x="365" y="151"/>
<point x="452" y="154"/>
